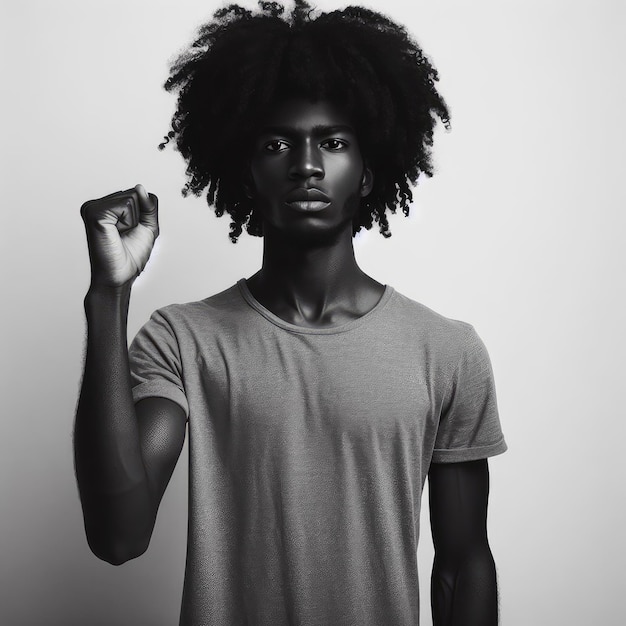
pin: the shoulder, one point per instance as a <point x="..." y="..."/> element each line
<point x="201" y="322"/>
<point x="212" y="310"/>
<point x="440" y="334"/>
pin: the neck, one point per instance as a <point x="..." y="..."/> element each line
<point x="312" y="282"/>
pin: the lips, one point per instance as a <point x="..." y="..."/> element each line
<point x="304" y="194"/>
<point x="308" y="200"/>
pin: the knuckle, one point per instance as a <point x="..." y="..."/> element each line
<point x="85" y="207"/>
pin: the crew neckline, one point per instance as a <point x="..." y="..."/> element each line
<point x="306" y="330"/>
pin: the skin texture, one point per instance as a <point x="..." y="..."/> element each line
<point x="463" y="582"/>
<point x="309" y="275"/>
<point x="125" y="454"/>
<point x="308" y="145"/>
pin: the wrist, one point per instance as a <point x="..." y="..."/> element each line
<point x="109" y="291"/>
<point x="100" y="296"/>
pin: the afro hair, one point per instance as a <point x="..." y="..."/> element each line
<point x="243" y="62"/>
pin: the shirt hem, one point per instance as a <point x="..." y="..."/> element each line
<point x="152" y="389"/>
<point x="458" y="455"/>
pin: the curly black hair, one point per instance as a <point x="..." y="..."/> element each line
<point x="242" y="63"/>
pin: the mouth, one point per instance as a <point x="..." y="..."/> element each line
<point x="307" y="199"/>
<point x="308" y="194"/>
<point x="309" y="206"/>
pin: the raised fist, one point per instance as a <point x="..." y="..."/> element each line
<point x="121" y="231"/>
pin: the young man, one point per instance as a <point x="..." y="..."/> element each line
<point x="317" y="399"/>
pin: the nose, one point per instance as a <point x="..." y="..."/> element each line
<point x="307" y="162"/>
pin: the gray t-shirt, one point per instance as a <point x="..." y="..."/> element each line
<point x="309" y="449"/>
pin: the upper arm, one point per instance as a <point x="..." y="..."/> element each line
<point x="458" y="495"/>
<point x="162" y="425"/>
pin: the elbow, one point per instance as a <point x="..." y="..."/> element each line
<point x="120" y="557"/>
<point x="117" y="552"/>
<point x="118" y="528"/>
<point x="116" y="541"/>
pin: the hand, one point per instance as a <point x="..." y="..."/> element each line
<point x="121" y="230"/>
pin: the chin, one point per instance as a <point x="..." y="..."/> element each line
<point x="316" y="228"/>
<point x="316" y="234"/>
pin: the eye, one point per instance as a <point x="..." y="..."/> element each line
<point x="335" y="145"/>
<point x="276" y="145"/>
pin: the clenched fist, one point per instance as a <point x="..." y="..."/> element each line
<point x="121" y="231"/>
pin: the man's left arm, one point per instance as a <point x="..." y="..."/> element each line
<point x="463" y="583"/>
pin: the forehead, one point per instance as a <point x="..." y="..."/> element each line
<point x="300" y="115"/>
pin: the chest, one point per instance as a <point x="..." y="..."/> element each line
<point x="306" y="390"/>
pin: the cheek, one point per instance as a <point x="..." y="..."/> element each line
<point x="352" y="204"/>
<point x="265" y="177"/>
<point x="346" y="179"/>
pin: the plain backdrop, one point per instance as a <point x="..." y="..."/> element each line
<point x="520" y="232"/>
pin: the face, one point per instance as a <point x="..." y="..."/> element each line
<point x="307" y="172"/>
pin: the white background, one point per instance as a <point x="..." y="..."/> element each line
<point x="520" y="232"/>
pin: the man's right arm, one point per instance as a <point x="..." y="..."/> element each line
<point x="124" y="453"/>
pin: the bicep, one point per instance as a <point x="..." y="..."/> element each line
<point x="162" y="424"/>
<point x="458" y="495"/>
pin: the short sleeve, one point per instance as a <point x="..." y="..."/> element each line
<point x="469" y="427"/>
<point x="155" y="363"/>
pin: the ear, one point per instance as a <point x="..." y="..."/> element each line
<point x="367" y="181"/>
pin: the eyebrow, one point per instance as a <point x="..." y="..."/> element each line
<point x="317" y="130"/>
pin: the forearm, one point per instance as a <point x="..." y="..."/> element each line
<point x="114" y="490"/>
<point x="464" y="590"/>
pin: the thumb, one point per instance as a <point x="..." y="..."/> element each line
<point x="148" y="209"/>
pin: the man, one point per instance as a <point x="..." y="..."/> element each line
<point x="317" y="399"/>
